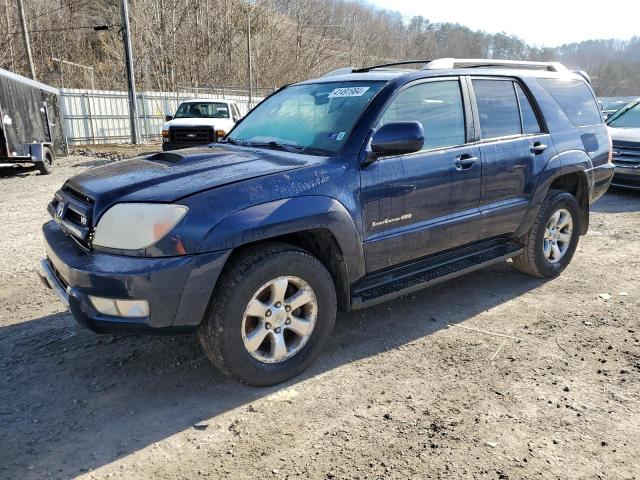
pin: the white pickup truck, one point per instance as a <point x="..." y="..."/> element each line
<point x="199" y="122"/>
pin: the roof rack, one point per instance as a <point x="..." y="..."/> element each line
<point x="343" y="71"/>
<point x="449" y="63"/>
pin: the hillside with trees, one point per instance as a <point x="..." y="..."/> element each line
<point x="203" y="43"/>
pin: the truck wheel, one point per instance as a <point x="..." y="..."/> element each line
<point x="272" y="313"/>
<point x="552" y="240"/>
<point x="46" y="166"/>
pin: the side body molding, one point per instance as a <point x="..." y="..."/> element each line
<point x="573" y="161"/>
<point x="286" y="216"/>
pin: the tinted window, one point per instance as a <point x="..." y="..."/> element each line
<point x="627" y="118"/>
<point x="529" y="120"/>
<point x="438" y="106"/>
<point x="575" y="99"/>
<point x="497" y="108"/>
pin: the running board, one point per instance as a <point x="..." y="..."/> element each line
<point x="400" y="281"/>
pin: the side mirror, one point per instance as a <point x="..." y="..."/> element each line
<point x="397" y="138"/>
<point x="168" y="118"/>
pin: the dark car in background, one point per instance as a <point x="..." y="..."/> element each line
<point x="624" y="127"/>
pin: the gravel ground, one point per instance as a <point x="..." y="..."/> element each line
<point x="494" y="375"/>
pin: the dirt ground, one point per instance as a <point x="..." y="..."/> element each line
<point x="494" y="375"/>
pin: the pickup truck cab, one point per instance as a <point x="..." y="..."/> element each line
<point x="334" y="193"/>
<point x="199" y="122"/>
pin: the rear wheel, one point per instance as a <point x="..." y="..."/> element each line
<point x="552" y="240"/>
<point x="271" y="315"/>
<point x="48" y="160"/>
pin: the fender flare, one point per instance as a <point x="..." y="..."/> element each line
<point x="566" y="163"/>
<point x="287" y="216"/>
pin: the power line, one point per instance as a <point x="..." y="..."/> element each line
<point x="68" y="5"/>
<point x="95" y="27"/>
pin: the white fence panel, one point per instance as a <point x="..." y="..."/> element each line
<point x="102" y="116"/>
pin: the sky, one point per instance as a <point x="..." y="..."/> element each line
<point x="547" y="23"/>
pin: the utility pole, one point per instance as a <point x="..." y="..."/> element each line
<point x="25" y="36"/>
<point x="250" y="70"/>
<point x="131" y="81"/>
<point x="10" y="39"/>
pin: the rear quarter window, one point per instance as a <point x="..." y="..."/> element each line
<point x="575" y="99"/>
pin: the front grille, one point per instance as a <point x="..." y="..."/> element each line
<point x="73" y="210"/>
<point x="192" y="135"/>
<point x="626" y="154"/>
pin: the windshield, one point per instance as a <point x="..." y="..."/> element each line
<point x="203" y="110"/>
<point x="628" y="118"/>
<point x="313" y="118"/>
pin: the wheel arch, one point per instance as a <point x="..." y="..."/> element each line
<point x="568" y="172"/>
<point x="320" y="225"/>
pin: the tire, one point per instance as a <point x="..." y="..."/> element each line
<point x="533" y="260"/>
<point x="227" y="327"/>
<point x="48" y="160"/>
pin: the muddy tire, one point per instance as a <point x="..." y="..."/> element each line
<point x="553" y="238"/>
<point x="270" y="316"/>
<point x="48" y="161"/>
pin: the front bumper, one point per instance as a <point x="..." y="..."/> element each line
<point x="627" y="176"/>
<point x="178" y="289"/>
<point x="169" y="146"/>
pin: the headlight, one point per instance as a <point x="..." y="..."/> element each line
<point x="134" y="226"/>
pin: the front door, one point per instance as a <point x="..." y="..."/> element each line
<point x="425" y="202"/>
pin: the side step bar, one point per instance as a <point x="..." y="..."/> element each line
<point x="407" y="279"/>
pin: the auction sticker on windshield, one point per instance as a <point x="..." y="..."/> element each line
<point x="348" y="92"/>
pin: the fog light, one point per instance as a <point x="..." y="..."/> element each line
<point x="121" y="308"/>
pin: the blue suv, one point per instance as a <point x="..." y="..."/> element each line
<point x="334" y="193"/>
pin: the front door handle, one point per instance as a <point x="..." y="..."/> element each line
<point x="466" y="161"/>
<point x="538" y="148"/>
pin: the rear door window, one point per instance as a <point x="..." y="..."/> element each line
<point x="575" y="99"/>
<point x="529" y="120"/>
<point x="437" y="106"/>
<point x="497" y="108"/>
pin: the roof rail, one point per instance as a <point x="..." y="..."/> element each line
<point x="448" y="63"/>
<point x="339" y="71"/>
<point x="343" y="71"/>
<point x="392" y="64"/>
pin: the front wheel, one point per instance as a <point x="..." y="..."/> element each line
<point x="271" y="315"/>
<point x="553" y="238"/>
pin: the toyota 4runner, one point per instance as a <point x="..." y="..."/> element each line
<point x="334" y="193"/>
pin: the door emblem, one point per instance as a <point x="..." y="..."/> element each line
<point x="386" y="221"/>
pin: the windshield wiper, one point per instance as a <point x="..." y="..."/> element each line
<point x="232" y="141"/>
<point x="287" y="147"/>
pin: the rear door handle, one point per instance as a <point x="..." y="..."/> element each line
<point x="466" y="161"/>
<point x="538" y="148"/>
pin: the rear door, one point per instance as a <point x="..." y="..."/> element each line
<point x="423" y="202"/>
<point x="513" y="147"/>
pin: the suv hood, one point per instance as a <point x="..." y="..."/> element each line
<point x="169" y="176"/>
<point x="625" y="134"/>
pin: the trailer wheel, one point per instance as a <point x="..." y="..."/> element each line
<point x="48" y="159"/>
